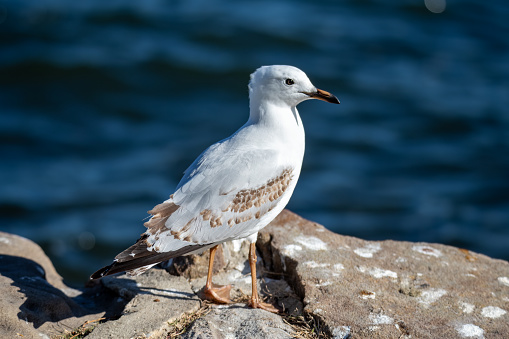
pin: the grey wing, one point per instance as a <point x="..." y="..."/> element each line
<point x="221" y="197"/>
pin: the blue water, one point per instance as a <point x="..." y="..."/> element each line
<point x="104" y="104"/>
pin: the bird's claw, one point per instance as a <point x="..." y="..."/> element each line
<point x="256" y="303"/>
<point x="219" y="294"/>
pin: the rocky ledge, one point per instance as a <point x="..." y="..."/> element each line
<point x="327" y="285"/>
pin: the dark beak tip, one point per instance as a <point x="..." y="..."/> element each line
<point x="330" y="99"/>
<point x="325" y="96"/>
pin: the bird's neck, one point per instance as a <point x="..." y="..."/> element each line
<point x="272" y="115"/>
<point x="279" y="127"/>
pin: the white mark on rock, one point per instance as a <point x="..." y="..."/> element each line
<point x="368" y="250"/>
<point x="314" y="264"/>
<point x="430" y="296"/>
<point x="318" y="311"/>
<point x="237" y="244"/>
<point x="5" y="241"/>
<point x="466" y="307"/>
<point x="378" y="272"/>
<point x="427" y="250"/>
<point x="503" y="280"/>
<point x="337" y="269"/>
<point x="492" y="312"/>
<point x="380" y="319"/>
<point x="240" y="267"/>
<point x="326" y="283"/>
<point x="367" y="295"/>
<point x="291" y="250"/>
<point x="312" y="243"/>
<point x="470" y="275"/>
<point x="341" y="332"/>
<point x="238" y="277"/>
<point x="221" y="306"/>
<point x="470" y="330"/>
<point x="400" y="260"/>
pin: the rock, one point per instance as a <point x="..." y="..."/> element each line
<point x="14" y="245"/>
<point x="351" y="287"/>
<point x="389" y="289"/>
<point x="238" y="321"/>
<point x="35" y="303"/>
<point x="156" y="298"/>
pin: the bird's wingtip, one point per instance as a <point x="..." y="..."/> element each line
<point x="101" y="273"/>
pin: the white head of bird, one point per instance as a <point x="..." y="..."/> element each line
<point x="286" y="86"/>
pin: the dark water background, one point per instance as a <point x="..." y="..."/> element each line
<point x="103" y="105"/>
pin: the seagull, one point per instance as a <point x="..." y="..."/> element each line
<point x="235" y="187"/>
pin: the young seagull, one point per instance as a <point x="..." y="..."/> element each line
<point x="235" y="187"/>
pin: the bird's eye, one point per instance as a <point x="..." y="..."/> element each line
<point x="289" y="82"/>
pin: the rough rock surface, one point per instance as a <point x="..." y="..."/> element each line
<point x="155" y="299"/>
<point x="389" y="289"/>
<point x="35" y="303"/>
<point x="353" y="288"/>
<point x="238" y="321"/>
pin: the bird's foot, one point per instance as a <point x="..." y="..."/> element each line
<point x="219" y="294"/>
<point x="256" y="303"/>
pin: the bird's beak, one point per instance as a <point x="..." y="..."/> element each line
<point x="323" y="95"/>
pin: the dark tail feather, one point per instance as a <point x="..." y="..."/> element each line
<point x="147" y="258"/>
<point x="117" y="267"/>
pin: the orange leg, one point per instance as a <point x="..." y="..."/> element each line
<point x="216" y="293"/>
<point x="255" y="301"/>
